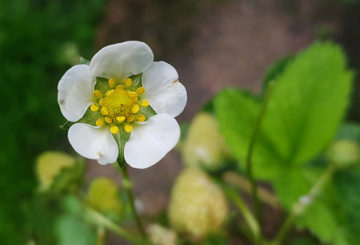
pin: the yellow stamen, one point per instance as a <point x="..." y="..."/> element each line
<point x="100" y="122"/>
<point x="111" y="82"/>
<point x="97" y="93"/>
<point x="119" y="87"/>
<point x="135" y="108"/>
<point x="128" y="82"/>
<point x="110" y="92"/>
<point x="140" y="90"/>
<point x="128" y="128"/>
<point x="130" y="118"/>
<point x="120" y="119"/>
<point x="114" y="129"/>
<point x="94" y="107"/>
<point x="104" y="111"/>
<point x="140" y="118"/>
<point x="108" y="120"/>
<point x="144" y="103"/>
<point x="102" y="102"/>
<point x="132" y="94"/>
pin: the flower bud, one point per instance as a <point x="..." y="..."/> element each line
<point x="343" y="153"/>
<point x="197" y="206"/>
<point x="160" y="235"/>
<point x="103" y="196"/>
<point x="204" y="145"/>
<point x="49" y="165"/>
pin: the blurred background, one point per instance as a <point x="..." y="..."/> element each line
<point x="212" y="44"/>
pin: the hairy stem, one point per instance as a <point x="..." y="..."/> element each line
<point x="129" y="192"/>
<point x="249" y="155"/>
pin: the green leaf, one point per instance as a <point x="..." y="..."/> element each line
<point x="308" y="102"/>
<point x="72" y="229"/>
<point x="275" y="70"/>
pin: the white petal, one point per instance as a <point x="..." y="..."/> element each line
<point x="122" y="60"/>
<point x="151" y="141"/>
<point x="75" y="90"/>
<point x="93" y="143"/>
<point x="163" y="90"/>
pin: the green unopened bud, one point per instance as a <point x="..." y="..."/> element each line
<point x="49" y="165"/>
<point x="197" y="206"/>
<point x="204" y="145"/>
<point x="103" y="196"/>
<point x="160" y="235"/>
<point x="343" y="153"/>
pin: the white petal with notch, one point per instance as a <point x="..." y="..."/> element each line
<point x="75" y="92"/>
<point x="163" y="90"/>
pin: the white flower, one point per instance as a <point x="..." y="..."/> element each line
<point x="123" y="104"/>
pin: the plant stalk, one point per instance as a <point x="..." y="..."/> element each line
<point x="248" y="216"/>
<point x="129" y="192"/>
<point x="250" y="151"/>
<point x="102" y="221"/>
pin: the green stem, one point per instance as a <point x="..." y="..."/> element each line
<point x="251" y="149"/>
<point x="100" y="220"/>
<point x="300" y="207"/>
<point x="101" y="233"/>
<point x="129" y="192"/>
<point x="248" y="216"/>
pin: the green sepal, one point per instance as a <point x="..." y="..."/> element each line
<point x="84" y="61"/>
<point x="66" y="125"/>
<point x="90" y="117"/>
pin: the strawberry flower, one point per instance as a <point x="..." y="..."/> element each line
<point x="123" y="105"/>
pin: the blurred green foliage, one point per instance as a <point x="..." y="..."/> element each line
<point x="309" y="101"/>
<point x="306" y="107"/>
<point x="33" y="36"/>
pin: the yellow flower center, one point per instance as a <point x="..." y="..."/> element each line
<point x="119" y="105"/>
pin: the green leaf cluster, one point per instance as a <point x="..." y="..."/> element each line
<point x="308" y="104"/>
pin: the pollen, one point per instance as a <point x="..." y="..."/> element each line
<point x="120" y="119"/>
<point x="108" y="120"/>
<point x="128" y="128"/>
<point x="128" y="82"/>
<point x="111" y="82"/>
<point x="114" y="129"/>
<point x="140" y="118"/>
<point x="144" y="103"/>
<point x="97" y="93"/>
<point x="100" y="122"/>
<point x="140" y="90"/>
<point x="135" y="108"/>
<point x="94" y="107"/>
